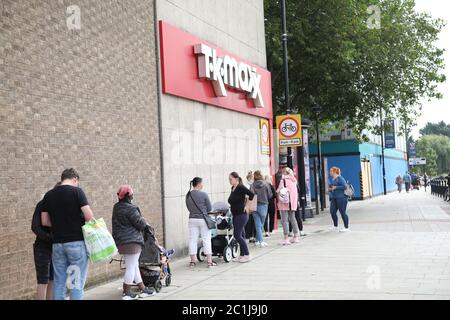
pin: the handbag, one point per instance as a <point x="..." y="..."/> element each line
<point x="283" y="194"/>
<point x="251" y="205"/>
<point x="209" y="221"/>
<point x="349" y="190"/>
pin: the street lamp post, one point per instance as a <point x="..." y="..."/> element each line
<point x="320" y="191"/>
<point x="382" y="151"/>
<point x="287" y="105"/>
<point x="319" y="157"/>
<point x="301" y="165"/>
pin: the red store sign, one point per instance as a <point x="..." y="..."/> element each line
<point x="197" y="70"/>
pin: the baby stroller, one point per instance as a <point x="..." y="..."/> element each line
<point x="222" y="240"/>
<point x="154" y="262"/>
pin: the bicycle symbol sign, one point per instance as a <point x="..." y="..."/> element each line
<point x="289" y="130"/>
<point x="289" y="127"/>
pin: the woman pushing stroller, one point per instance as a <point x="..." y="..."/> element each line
<point x="128" y="228"/>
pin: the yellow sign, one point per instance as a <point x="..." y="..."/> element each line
<point x="289" y="128"/>
<point x="264" y="130"/>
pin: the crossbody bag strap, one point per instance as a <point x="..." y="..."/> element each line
<point x="195" y="203"/>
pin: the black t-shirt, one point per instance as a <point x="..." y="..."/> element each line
<point x="237" y="199"/>
<point x="63" y="204"/>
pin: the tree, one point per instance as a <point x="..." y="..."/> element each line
<point x="430" y="168"/>
<point x="352" y="71"/>
<point x="440" y="128"/>
<point x="440" y="157"/>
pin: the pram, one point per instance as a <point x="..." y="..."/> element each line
<point x="222" y="240"/>
<point x="153" y="262"/>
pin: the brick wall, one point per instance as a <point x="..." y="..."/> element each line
<point x="74" y="98"/>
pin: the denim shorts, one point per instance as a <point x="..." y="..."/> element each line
<point x="43" y="263"/>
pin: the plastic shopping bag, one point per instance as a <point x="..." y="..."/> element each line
<point x="99" y="242"/>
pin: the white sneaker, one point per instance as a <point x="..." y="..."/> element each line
<point x="237" y="259"/>
<point x="302" y="233"/>
<point x="264" y="244"/>
<point x="333" y="228"/>
<point x="245" y="259"/>
<point x="344" y="230"/>
<point x="129" y="296"/>
<point x="257" y="244"/>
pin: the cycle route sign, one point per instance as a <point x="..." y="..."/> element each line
<point x="289" y="129"/>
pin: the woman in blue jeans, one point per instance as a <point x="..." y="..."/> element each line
<point x="338" y="199"/>
<point x="264" y="193"/>
<point x="240" y="217"/>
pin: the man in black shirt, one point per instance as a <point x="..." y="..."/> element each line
<point x="65" y="209"/>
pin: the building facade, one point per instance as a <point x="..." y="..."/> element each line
<point x="85" y="86"/>
<point x="361" y="163"/>
<point x="201" y="135"/>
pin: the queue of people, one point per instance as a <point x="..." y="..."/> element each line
<point x="60" y="251"/>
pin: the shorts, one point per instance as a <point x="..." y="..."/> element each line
<point x="43" y="263"/>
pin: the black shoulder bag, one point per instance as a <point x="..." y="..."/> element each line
<point x="209" y="221"/>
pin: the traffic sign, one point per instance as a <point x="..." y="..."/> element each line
<point x="289" y="130"/>
<point x="265" y="136"/>
<point x="417" y="161"/>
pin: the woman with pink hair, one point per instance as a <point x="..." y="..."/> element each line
<point x="128" y="227"/>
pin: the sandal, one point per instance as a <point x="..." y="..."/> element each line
<point x="192" y="264"/>
<point x="212" y="264"/>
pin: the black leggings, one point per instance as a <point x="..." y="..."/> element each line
<point x="239" y="222"/>
<point x="298" y="217"/>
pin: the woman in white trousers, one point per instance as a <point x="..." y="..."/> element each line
<point x="198" y="204"/>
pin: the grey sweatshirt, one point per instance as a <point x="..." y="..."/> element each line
<point x="262" y="190"/>
<point x="201" y="198"/>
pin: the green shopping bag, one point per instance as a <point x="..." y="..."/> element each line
<point x="99" y="242"/>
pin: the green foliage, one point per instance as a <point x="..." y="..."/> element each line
<point x="350" y="70"/>
<point x="436" y="148"/>
<point x="440" y="128"/>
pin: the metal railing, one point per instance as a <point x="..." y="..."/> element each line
<point x="440" y="188"/>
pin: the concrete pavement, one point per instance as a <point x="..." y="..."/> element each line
<point x="398" y="248"/>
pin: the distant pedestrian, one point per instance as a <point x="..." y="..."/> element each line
<point x="42" y="249"/>
<point x="271" y="211"/>
<point x="198" y="204"/>
<point x="237" y="201"/>
<point x="415" y="181"/>
<point x="338" y="199"/>
<point x="65" y="209"/>
<point x="128" y="226"/>
<point x="250" y="230"/>
<point x="399" y="183"/>
<point x="407" y="181"/>
<point x="425" y="181"/>
<point x="264" y="193"/>
<point x="287" y="203"/>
